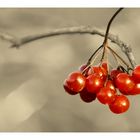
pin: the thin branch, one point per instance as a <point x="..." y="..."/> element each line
<point x="109" y="24"/>
<point x="89" y="60"/>
<point x="8" y="37"/>
<point x="68" y="31"/>
<point x="105" y="43"/>
<point x="118" y="56"/>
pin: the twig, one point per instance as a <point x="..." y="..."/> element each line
<point x="89" y="60"/>
<point x="105" y="42"/>
<point x="67" y="31"/>
<point x="118" y="57"/>
<point x="109" y="24"/>
<point x="7" y="37"/>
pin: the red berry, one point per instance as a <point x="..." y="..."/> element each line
<point x="114" y="73"/>
<point x="68" y="90"/>
<point x="91" y="71"/>
<point x="124" y="83"/>
<point x="83" y="67"/>
<point x="94" y="83"/>
<point x="86" y="96"/>
<point x="110" y="85"/>
<point x="136" y="74"/>
<point x="136" y="89"/>
<point x="76" y="82"/>
<point x="120" y="105"/>
<point x="106" y="95"/>
<point x="104" y="65"/>
<point x="99" y="71"/>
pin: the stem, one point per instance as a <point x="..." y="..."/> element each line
<point x="107" y="62"/>
<point x="105" y="44"/>
<point x="89" y="60"/>
<point x="109" y="24"/>
<point x="122" y="69"/>
<point x="119" y="57"/>
<point x="91" y="63"/>
<point x="106" y="36"/>
<point x="104" y="51"/>
<point x="116" y="59"/>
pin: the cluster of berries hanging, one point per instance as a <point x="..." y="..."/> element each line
<point x="110" y="86"/>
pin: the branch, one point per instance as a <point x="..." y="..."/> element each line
<point x="9" y="38"/>
<point x="72" y="30"/>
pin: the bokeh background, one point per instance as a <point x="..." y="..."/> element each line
<point x="32" y="98"/>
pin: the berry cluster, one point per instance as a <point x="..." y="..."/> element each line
<point x="109" y="87"/>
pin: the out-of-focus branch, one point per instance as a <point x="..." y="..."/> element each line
<point x="8" y="37"/>
<point x="17" y="43"/>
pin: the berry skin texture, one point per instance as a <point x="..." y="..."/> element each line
<point x="83" y="67"/>
<point x="136" y="89"/>
<point x="94" y="83"/>
<point x="99" y="71"/>
<point x="114" y="73"/>
<point x="104" y="65"/>
<point x="136" y="74"/>
<point x="75" y="81"/>
<point x="86" y="96"/>
<point x="120" y="105"/>
<point x="110" y="85"/>
<point x="68" y="90"/>
<point x="106" y="95"/>
<point x="124" y="83"/>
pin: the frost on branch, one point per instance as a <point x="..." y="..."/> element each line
<point x="19" y="42"/>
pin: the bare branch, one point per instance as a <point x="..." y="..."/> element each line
<point x="7" y="37"/>
<point x="71" y="30"/>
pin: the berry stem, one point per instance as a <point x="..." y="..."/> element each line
<point x="119" y="57"/>
<point x="105" y="42"/>
<point x="122" y="69"/>
<point x="91" y="63"/>
<point x="109" y="25"/>
<point x="116" y="58"/>
<point x="107" y="61"/>
<point x="89" y="60"/>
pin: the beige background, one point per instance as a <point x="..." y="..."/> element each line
<point x="31" y="93"/>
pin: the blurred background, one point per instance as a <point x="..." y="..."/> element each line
<point x="32" y="98"/>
